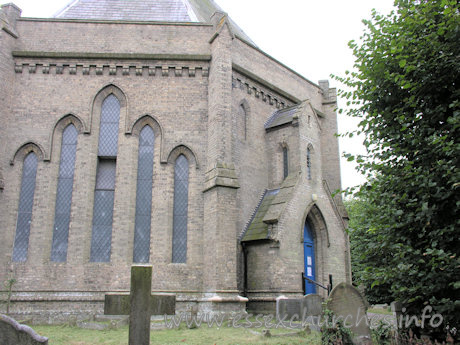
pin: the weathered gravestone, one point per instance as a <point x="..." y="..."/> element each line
<point x="12" y="333"/>
<point x="140" y="305"/>
<point x="349" y="306"/>
<point x="304" y="309"/>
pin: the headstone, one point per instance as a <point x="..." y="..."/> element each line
<point x="12" y="333"/>
<point x="298" y="309"/>
<point x="348" y="305"/>
<point x="140" y="305"/>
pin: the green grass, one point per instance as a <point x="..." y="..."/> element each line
<point x="65" y="335"/>
<point x="379" y="311"/>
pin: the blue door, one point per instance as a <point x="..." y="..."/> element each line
<point x="309" y="257"/>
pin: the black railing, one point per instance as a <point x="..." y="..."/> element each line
<point x="328" y="288"/>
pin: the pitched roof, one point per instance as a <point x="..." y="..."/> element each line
<point x="281" y="117"/>
<point x="269" y="210"/>
<point x="146" y="10"/>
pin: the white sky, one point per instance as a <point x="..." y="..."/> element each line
<point x="309" y="36"/>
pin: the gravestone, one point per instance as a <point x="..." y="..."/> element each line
<point x="13" y="333"/>
<point x="298" y="309"/>
<point x="140" y="305"/>
<point x="348" y="305"/>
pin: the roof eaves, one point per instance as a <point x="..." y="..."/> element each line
<point x="253" y="215"/>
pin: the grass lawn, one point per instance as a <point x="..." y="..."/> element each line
<point x="65" y="335"/>
<point x="379" y="311"/>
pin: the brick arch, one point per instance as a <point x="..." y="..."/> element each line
<point x="25" y="149"/>
<point x="183" y="150"/>
<point x="96" y="104"/>
<point x="315" y="218"/>
<point x="59" y="127"/>
<point x="152" y="121"/>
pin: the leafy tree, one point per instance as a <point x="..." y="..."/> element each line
<point x="407" y="97"/>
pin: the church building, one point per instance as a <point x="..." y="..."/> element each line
<point x="157" y="132"/>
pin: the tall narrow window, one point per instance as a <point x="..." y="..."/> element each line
<point x="64" y="194"/>
<point x="105" y="181"/>
<point x="308" y="163"/>
<point x="26" y="201"/>
<point x="179" y="245"/>
<point x="285" y="162"/>
<point x="144" y="196"/>
<point x="242" y="122"/>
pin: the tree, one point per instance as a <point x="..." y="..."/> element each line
<point x="406" y="95"/>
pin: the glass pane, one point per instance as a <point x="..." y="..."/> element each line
<point x="108" y="140"/>
<point x="102" y="226"/>
<point x="180" y="210"/>
<point x="108" y="132"/>
<point x="70" y="135"/>
<point x="142" y="239"/>
<point x="110" y="111"/>
<point x="26" y="199"/>
<point x="60" y="237"/>
<point x="147" y="137"/>
<point x="144" y="196"/>
<point x="145" y="165"/>
<point x="103" y="207"/>
<point x="101" y="243"/>
<point x="64" y="194"/>
<point x="21" y="241"/>
<point x="67" y="163"/>
<point x="105" y="177"/>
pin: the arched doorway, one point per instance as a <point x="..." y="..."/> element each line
<point x="309" y="258"/>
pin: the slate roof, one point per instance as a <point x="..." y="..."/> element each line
<point x="281" y="117"/>
<point x="269" y="210"/>
<point x="146" y="10"/>
<point x="257" y="229"/>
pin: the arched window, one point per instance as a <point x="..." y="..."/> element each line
<point x="26" y="201"/>
<point x="105" y="180"/>
<point x="242" y="122"/>
<point x="285" y="162"/>
<point x="179" y="245"/>
<point x="141" y="252"/>
<point x="64" y="194"/>
<point x="309" y="163"/>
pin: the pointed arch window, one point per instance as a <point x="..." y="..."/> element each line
<point x="144" y="196"/>
<point x="105" y="180"/>
<point x="285" y="162"/>
<point x="64" y="194"/>
<point x="309" y="163"/>
<point x="180" y="212"/>
<point x="26" y="201"/>
<point x="242" y="122"/>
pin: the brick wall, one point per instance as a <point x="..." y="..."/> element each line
<point x="193" y="104"/>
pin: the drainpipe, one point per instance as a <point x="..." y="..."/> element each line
<point x="245" y="269"/>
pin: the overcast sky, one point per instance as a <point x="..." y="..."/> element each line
<point x="309" y="36"/>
